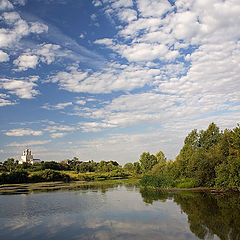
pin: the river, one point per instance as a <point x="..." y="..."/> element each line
<point x="119" y="212"/>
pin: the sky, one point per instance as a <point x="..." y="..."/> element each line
<point x="110" y="79"/>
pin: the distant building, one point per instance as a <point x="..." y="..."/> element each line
<point x="27" y="157"/>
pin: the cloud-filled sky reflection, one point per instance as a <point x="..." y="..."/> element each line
<point x="118" y="213"/>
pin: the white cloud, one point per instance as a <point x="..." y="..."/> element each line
<point x="3" y="56"/>
<point x="104" y="41"/>
<point x="25" y="62"/>
<point x="97" y="3"/>
<point x="153" y="8"/>
<point x="19" y="132"/>
<point x="58" y="135"/>
<point x="114" y="78"/>
<point x="29" y="143"/>
<point x="81" y="102"/>
<point x="21" y="88"/>
<point x="61" y="128"/>
<point x="147" y="52"/>
<point x="37" y="27"/>
<point x="57" y="106"/>
<point x="82" y="36"/>
<point x="127" y="15"/>
<point x="20" y="2"/>
<point x="122" y="3"/>
<point x="58" y="131"/>
<point x="17" y="28"/>
<point x="5" y="5"/>
<point x="94" y="126"/>
<point x="93" y="17"/>
<point x="4" y="101"/>
<point x="48" y="52"/>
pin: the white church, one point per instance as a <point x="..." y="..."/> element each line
<point x="27" y="157"/>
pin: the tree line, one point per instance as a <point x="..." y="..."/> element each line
<point x="67" y="170"/>
<point x="209" y="158"/>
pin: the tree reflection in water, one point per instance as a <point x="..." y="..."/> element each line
<point x="208" y="213"/>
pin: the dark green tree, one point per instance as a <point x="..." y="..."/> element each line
<point x="147" y="161"/>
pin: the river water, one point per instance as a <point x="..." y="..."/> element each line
<point x="119" y="212"/>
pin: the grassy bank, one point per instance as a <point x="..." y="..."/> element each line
<point x="49" y="175"/>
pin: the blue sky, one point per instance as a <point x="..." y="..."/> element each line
<point x="108" y="80"/>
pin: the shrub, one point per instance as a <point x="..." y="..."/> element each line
<point x="49" y="175"/>
<point x="161" y="181"/>
<point x="18" y="176"/>
<point x="185" y="183"/>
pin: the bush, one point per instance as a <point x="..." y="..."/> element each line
<point x="228" y="174"/>
<point x="160" y="181"/>
<point x="185" y="183"/>
<point x="18" y="176"/>
<point x="49" y="175"/>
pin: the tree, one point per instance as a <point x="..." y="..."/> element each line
<point x="161" y="157"/>
<point x="137" y="167"/>
<point x="147" y="161"/>
<point x="209" y="137"/>
<point x="10" y="164"/>
<point x="128" y="167"/>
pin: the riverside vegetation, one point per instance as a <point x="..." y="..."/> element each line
<point x="209" y="158"/>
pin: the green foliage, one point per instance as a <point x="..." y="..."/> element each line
<point x="83" y="167"/>
<point x="185" y="183"/>
<point x="161" y="157"/>
<point x="10" y="165"/>
<point x="49" y="175"/>
<point x="147" y="161"/>
<point x="228" y="174"/>
<point x="128" y="167"/>
<point x="150" y="195"/>
<point x="157" y="181"/>
<point x="51" y="165"/>
<point x="18" y="176"/>
<point x="115" y="174"/>
<point x="137" y="167"/>
<point x="208" y="158"/>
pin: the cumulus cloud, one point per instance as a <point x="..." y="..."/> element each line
<point x="25" y="62"/>
<point x="127" y="15"/>
<point x="3" y="56"/>
<point x="19" y="87"/>
<point x="57" y="131"/>
<point x="5" y="5"/>
<point x="29" y="143"/>
<point x="97" y="3"/>
<point x="116" y="77"/>
<point x="19" y="132"/>
<point x="20" y="2"/>
<point x="122" y="3"/>
<point x="57" y="128"/>
<point x="57" y="106"/>
<point x="4" y="100"/>
<point x="153" y="8"/>
<point x="17" y="28"/>
<point x="80" y="102"/>
<point x="57" y="135"/>
<point x="43" y="53"/>
<point x="104" y="41"/>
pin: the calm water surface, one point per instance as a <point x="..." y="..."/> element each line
<point x="120" y="212"/>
